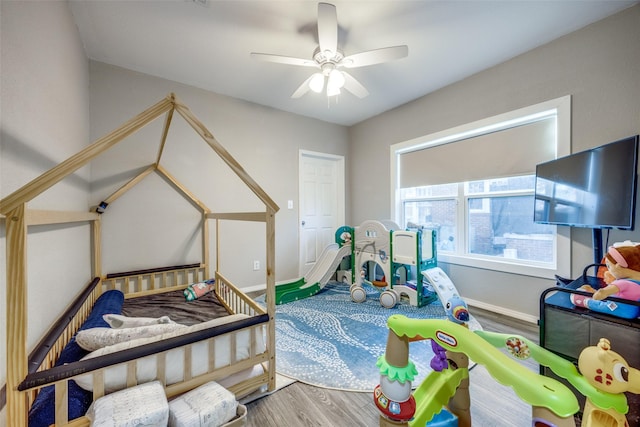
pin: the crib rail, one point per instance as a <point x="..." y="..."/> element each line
<point x="221" y="342"/>
<point x="50" y="346"/>
<point x="157" y="280"/>
<point x="234" y="300"/>
<point x="48" y="350"/>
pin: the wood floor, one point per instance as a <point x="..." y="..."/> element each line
<point x="301" y="405"/>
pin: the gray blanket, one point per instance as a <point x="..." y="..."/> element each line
<point x="174" y="305"/>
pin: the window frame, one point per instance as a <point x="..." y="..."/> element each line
<point x="562" y="264"/>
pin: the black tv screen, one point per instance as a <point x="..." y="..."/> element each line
<point x="594" y="188"/>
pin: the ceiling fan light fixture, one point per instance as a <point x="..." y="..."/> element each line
<point x="336" y="79"/>
<point x="332" y="91"/>
<point x="329" y="59"/>
<point x="316" y="83"/>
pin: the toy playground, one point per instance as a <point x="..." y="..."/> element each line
<point x="402" y="265"/>
<point x="397" y="262"/>
<point x="443" y="400"/>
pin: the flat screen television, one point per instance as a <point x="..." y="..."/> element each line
<point x="595" y="188"/>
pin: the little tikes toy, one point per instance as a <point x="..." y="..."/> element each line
<point x="611" y="375"/>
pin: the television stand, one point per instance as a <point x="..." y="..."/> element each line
<point x="566" y="330"/>
<point x="598" y="250"/>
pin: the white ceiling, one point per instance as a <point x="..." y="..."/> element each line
<point x="206" y="43"/>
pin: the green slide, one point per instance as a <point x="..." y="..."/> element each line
<point x="536" y="390"/>
<point x="434" y="393"/>
<point x="316" y="278"/>
<point x="292" y="291"/>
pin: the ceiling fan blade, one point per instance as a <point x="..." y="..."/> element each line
<point x="354" y="86"/>
<point x="327" y="28"/>
<point x="375" y="56"/>
<point x="302" y="89"/>
<point x="266" y="57"/>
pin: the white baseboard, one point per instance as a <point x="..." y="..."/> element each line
<point x="254" y="288"/>
<point x="504" y="311"/>
<point x="483" y="305"/>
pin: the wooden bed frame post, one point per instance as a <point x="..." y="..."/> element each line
<point x="96" y="228"/>
<point x="205" y="245"/>
<point x="16" y="292"/>
<point x="270" y="296"/>
<point x="217" y="244"/>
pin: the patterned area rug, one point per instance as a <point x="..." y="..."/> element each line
<point x="329" y="341"/>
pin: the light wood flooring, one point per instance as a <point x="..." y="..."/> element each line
<point x="301" y="405"/>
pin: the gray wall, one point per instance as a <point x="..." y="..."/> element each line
<point x="44" y="92"/>
<point x="599" y="66"/>
<point x="152" y="225"/>
<point x="47" y="82"/>
<point x="55" y="102"/>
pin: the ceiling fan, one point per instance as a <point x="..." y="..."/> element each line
<point x="330" y="60"/>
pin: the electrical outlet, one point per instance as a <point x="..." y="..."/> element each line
<point x="256" y="265"/>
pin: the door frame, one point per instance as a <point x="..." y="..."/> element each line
<point x="340" y="193"/>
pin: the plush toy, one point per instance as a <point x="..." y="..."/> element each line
<point x="610" y="376"/>
<point x="196" y="290"/>
<point x="627" y="257"/>
<point x="623" y="270"/>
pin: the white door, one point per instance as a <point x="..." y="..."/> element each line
<point x="321" y="204"/>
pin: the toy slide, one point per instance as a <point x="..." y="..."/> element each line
<point x="441" y="284"/>
<point x="434" y="393"/>
<point x="312" y="282"/>
<point x="536" y="390"/>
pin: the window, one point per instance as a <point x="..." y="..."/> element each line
<point x="481" y="205"/>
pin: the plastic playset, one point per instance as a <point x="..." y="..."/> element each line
<point x="402" y="264"/>
<point x="390" y="259"/>
<point x="443" y="400"/>
<point x="378" y="253"/>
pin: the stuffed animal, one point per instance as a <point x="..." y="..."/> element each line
<point x="621" y="277"/>
<point x="610" y="376"/>
<point x="627" y="257"/>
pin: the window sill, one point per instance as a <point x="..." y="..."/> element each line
<point x="505" y="265"/>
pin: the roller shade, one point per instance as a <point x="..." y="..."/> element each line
<point x="508" y="152"/>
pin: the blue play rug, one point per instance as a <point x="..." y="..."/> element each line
<point x="329" y="341"/>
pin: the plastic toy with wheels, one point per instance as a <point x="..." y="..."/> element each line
<point x="392" y="260"/>
<point x="443" y="399"/>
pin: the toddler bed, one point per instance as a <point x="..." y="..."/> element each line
<point x="58" y="380"/>
<point x="220" y="336"/>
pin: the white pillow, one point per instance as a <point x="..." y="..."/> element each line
<point x="209" y="405"/>
<point x="115" y="377"/>
<point x="143" y="405"/>
<point x="95" y="338"/>
<point x="119" y="321"/>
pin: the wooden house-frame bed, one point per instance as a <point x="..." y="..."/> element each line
<point x="29" y="373"/>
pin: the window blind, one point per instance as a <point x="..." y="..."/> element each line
<point x="507" y="152"/>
